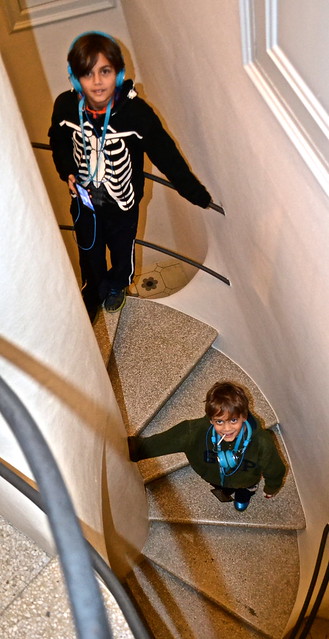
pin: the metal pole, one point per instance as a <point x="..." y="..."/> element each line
<point x="87" y="605"/>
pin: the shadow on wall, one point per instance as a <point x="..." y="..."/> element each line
<point x="96" y="417"/>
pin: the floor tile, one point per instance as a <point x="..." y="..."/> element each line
<point x="21" y="561"/>
<point x="160" y="279"/>
<point x="41" y="610"/>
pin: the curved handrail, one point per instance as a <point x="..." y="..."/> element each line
<point x="178" y="256"/>
<point x="156" y="247"/>
<point x="188" y="260"/>
<point x="161" y="249"/>
<point x="156" y="178"/>
<point x="14" y="411"/>
<point x="149" y="176"/>
<point x="87" y="605"/>
<point x="104" y="571"/>
<point x="310" y="591"/>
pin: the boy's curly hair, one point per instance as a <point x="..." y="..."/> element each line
<point x="227" y="397"/>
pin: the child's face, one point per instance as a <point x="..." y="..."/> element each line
<point x="228" y="426"/>
<point x="99" y="84"/>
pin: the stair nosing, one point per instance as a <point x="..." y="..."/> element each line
<point x="220" y="605"/>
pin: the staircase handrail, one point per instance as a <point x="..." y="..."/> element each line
<point x="161" y="249"/>
<point x="76" y="556"/>
<point x="156" y="247"/>
<point x="149" y="176"/>
<point x="310" y="591"/>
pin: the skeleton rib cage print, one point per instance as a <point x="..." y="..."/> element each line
<point x="110" y="166"/>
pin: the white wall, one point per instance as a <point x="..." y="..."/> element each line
<point x="272" y="244"/>
<point x="50" y="357"/>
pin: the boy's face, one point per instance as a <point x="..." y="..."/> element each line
<point x="99" y="84"/>
<point x="228" y="426"/>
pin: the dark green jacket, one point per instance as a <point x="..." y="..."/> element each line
<point x="193" y="437"/>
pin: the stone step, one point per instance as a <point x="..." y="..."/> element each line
<point x="253" y="574"/>
<point x="188" y="402"/>
<point x="208" y="570"/>
<point x="155" y="348"/>
<point x="184" y="497"/>
<point x="174" y="610"/>
<point x="33" y="601"/>
<point x="105" y="328"/>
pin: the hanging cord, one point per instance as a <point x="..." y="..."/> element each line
<point x="105" y="125"/>
<point x="101" y="149"/>
<point x="236" y="451"/>
<point x="75" y="222"/>
<point x="91" y="175"/>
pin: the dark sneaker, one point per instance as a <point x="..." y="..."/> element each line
<point x="242" y="497"/>
<point x="115" y="300"/>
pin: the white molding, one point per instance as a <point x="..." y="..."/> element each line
<point x="246" y="27"/>
<point x="53" y="11"/>
<point x="290" y="99"/>
<point x="307" y="97"/>
<point x="297" y="135"/>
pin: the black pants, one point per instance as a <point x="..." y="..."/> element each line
<point x="109" y="227"/>
<point x="242" y="495"/>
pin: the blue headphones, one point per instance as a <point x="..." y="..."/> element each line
<point x="229" y="459"/>
<point x="75" y="81"/>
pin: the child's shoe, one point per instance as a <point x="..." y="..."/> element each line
<point x="241" y="505"/>
<point x="242" y="497"/>
<point x="115" y="300"/>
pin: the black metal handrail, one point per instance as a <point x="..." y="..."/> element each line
<point x="156" y="247"/>
<point x="47" y="475"/>
<point x="88" y="609"/>
<point x="110" y="580"/>
<point x="149" y="176"/>
<point x="188" y="260"/>
<point x="319" y="597"/>
<point x="178" y="256"/>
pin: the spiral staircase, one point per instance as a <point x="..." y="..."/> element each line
<point x="206" y="570"/>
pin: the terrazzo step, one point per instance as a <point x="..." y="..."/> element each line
<point x="183" y="497"/>
<point x="188" y="402"/>
<point x="233" y="568"/>
<point x="33" y="600"/>
<point x="105" y="328"/>
<point x="174" y="610"/>
<point x="155" y="348"/>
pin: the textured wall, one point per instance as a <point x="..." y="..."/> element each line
<point x="273" y="242"/>
<point x="50" y="357"/>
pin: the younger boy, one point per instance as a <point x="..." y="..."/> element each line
<point x="227" y="447"/>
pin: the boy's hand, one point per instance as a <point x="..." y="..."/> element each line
<point x="71" y="182"/>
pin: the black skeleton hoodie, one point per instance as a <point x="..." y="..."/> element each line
<point x="133" y="129"/>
